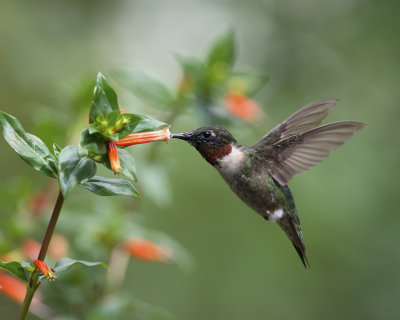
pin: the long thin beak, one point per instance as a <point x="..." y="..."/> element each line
<point x="183" y="136"/>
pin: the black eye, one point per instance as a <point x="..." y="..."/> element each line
<point x="206" y="134"/>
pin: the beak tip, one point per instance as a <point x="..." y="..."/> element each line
<point x="178" y="136"/>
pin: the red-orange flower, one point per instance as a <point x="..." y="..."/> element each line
<point x="242" y="107"/>
<point x="145" y="137"/>
<point x="12" y="287"/>
<point x="45" y="269"/>
<point x="58" y="247"/>
<point x="114" y="157"/>
<point x="147" y="250"/>
<point x="30" y="248"/>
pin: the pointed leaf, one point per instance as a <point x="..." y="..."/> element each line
<point x="110" y="187"/>
<point x="222" y="51"/>
<point x="29" y="147"/>
<point x="66" y="263"/>
<point x="18" y="269"/>
<point x="127" y="164"/>
<point x="147" y="123"/>
<point x="56" y="150"/>
<point x="145" y="87"/>
<point x="92" y="145"/>
<point x="104" y="99"/>
<point x="73" y="169"/>
<point x="191" y="66"/>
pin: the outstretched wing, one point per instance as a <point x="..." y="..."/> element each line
<point x="299" y="152"/>
<point x="307" y="118"/>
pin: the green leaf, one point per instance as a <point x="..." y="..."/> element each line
<point x="222" y="51"/>
<point x="190" y="65"/>
<point x="110" y="187"/>
<point x="116" y="126"/>
<point x="20" y="270"/>
<point x="92" y="145"/>
<point x="104" y="99"/>
<point x="66" y="263"/>
<point x="73" y="169"/>
<point x="147" y="123"/>
<point x="29" y="147"/>
<point x="56" y="150"/>
<point x="127" y="164"/>
<point x="145" y="87"/>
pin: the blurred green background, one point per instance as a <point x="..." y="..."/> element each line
<point x="245" y="268"/>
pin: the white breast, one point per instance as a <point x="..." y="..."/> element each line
<point x="231" y="161"/>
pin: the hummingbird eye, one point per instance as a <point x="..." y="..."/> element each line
<point x="206" y="134"/>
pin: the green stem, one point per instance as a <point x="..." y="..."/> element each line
<point x="51" y="226"/>
<point x="34" y="280"/>
<point x="27" y="302"/>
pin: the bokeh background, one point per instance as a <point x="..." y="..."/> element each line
<point x="243" y="267"/>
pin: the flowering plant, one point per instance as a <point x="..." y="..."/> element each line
<point x="76" y="165"/>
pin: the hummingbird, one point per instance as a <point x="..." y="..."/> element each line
<point x="259" y="174"/>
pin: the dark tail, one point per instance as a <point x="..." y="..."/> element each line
<point x="294" y="234"/>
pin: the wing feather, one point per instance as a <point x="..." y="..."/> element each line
<point x="306" y="118"/>
<point x="298" y="153"/>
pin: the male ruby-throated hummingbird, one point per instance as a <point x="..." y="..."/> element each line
<point x="259" y="174"/>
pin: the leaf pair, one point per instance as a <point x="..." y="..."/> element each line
<point x="29" y="147"/>
<point x="76" y="165"/>
<point x="22" y="270"/>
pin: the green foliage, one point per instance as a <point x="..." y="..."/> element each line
<point x="203" y="83"/>
<point x="110" y="187"/>
<point x="127" y="164"/>
<point x="29" y="147"/>
<point x="145" y="87"/>
<point x="20" y="270"/>
<point x="74" y="165"/>
<point x="66" y="263"/>
<point x="92" y="145"/>
<point x="222" y="51"/>
<point x="73" y="170"/>
<point x="104" y="99"/>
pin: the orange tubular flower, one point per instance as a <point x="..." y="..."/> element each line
<point x="145" y="137"/>
<point x="242" y="107"/>
<point x="146" y="250"/>
<point x="12" y="287"/>
<point x="114" y="158"/>
<point x="58" y="247"/>
<point x="45" y="269"/>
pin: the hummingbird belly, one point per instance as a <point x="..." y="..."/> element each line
<point x="258" y="190"/>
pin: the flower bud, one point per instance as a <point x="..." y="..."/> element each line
<point x="114" y="157"/>
<point x="45" y="269"/>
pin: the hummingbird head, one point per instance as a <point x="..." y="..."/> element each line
<point x="212" y="142"/>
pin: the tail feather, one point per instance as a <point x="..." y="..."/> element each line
<point x="294" y="234"/>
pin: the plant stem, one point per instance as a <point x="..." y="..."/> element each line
<point x="34" y="279"/>
<point x="27" y="302"/>
<point x="51" y="226"/>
